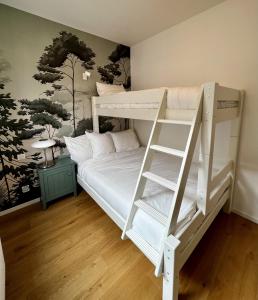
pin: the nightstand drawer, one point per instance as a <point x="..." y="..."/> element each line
<point x="59" y="183"/>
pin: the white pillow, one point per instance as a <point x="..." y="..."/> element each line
<point x="101" y="143"/>
<point x="125" y="140"/>
<point x="79" y="148"/>
<point x="104" y="89"/>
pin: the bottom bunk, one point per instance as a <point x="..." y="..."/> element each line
<point x="111" y="181"/>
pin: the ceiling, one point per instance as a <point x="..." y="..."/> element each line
<point x="123" y="21"/>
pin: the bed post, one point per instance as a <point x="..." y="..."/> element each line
<point x="207" y="144"/>
<point x="95" y="117"/>
<point x="235" y="135"/>
<point x="171" y="269"/>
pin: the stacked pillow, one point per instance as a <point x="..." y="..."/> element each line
<point x="95" y="145"/>
<point x="101" y="143"/>
<point x="125" y="140"/>
<point x="79" y="148"/>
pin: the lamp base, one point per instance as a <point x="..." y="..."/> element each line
<point x="46" y="164"/>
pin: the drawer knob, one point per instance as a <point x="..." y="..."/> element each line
<point x="69" y="174"/>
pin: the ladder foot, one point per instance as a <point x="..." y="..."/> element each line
<point x="124" y="236"/>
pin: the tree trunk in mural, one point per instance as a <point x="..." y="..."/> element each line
<point x="59" y="62"/>
<point x="73" y="95"/>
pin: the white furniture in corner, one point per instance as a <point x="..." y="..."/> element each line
<point x="202" y="111"/>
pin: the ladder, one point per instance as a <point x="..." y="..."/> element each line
<point x="170" y="222"/>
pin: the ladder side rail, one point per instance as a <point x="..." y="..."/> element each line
<point x="185" y="168"/>
<point x="206" y="145"/>
<point x="182" y="179"/>
<point x="146" y="163"/>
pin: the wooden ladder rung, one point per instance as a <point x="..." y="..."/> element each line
<point x="160" y="180"/>
<point x="145" y="247"/>
<point x="175" y="122"/>
<point x="167" y="150"/>
<point x="151" y="211"/>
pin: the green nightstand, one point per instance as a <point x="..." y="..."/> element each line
<point x="57" y="181"/>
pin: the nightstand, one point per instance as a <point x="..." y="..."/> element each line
<point x="57" y="181"/>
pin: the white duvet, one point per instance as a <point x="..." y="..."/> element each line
<point x="114" y="178"/>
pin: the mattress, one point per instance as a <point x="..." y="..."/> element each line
<point x="114" y="177"/>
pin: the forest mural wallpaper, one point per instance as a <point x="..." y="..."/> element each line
<point x="43" y="94"/>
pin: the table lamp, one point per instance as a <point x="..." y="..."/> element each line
<point x="44" y="144"/>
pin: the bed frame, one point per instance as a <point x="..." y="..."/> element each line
<point x="214" y="192"/>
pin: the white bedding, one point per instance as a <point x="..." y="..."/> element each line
<point x="114" y="178"/>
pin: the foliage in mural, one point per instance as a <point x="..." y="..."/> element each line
<point x="46" y="114"/>
<point x="59" y="61"/>
<point x="105" y="124"/>
<point x="16" y="177"/>
<point x="83" y="125"/>
<point x="62" y="109"/>
<point x="117" y="71"/>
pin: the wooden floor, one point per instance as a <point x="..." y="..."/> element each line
<point x="74" y="251"/>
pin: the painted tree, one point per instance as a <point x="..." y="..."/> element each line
<point x="105" y="124"/>
<point x="59" y="61"/>
<point x="117" y="71"/>
<point x="46" y="114"/>
<point x="12" y="134"/>
<point x="83" y="125"/>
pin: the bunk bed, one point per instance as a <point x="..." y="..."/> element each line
<point x="167" y="231"/>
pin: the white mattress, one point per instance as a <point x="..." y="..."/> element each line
<point x="114" y="178"/>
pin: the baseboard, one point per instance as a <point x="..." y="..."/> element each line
<point x="20" y="206"/>
<point x="245" y="215"/>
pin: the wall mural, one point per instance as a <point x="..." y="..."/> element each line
<point x="16" y="178"/>
<point x="59" y="105"/>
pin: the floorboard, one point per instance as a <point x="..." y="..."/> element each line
<point x="74" y="251"/>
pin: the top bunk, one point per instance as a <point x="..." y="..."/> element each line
<point x="181" y="103"/>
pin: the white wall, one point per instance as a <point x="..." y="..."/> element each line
<point x="220" y="44"/>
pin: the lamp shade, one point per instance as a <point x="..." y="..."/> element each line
<point x="43" y="144"/>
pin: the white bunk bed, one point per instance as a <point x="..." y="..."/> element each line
<point x="199" y="108"/>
